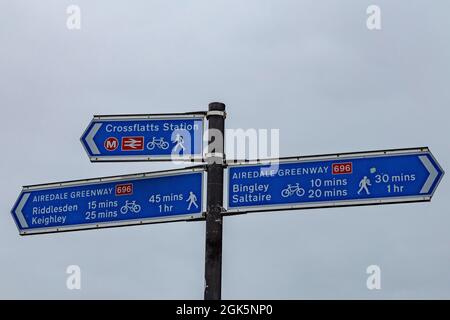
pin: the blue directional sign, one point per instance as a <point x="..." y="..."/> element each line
<point x="341" y="180"/>
<point x="106" y="202"/>
<point x="145" y="137"/>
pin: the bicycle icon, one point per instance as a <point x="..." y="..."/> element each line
<point x="160" y="143"/>
<point x="291" y="190"/>
<point x="130" y="206"/>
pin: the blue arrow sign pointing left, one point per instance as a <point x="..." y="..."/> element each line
<point x="145" y="137"/>
<point x="107" y="202"/>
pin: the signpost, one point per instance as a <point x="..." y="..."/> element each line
<point x="109" y="202"/>
<point x="362" y="178"/>
<point x="145" y="137"/>
<point x="393" y="176"/>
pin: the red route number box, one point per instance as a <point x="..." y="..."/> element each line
<point x="342" y="168"/>
<point x="124" y="189"/>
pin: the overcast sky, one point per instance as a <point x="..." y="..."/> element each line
<point x="310" y="68"/>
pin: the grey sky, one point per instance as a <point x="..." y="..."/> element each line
<point x="310" y="68"/>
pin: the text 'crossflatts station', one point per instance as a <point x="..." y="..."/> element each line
<point x="151" y="127"/>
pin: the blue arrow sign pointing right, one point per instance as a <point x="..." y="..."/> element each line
<point x="389" y="176"/>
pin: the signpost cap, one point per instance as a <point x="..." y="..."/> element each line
<point x="217" y="106"/>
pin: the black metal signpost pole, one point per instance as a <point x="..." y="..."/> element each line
<point x="215" y="167"/>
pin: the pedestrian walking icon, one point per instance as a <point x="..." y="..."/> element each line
<point x="364" y="184"/>
<point x="179" y="143"/>
<point x="192" y="199"/>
